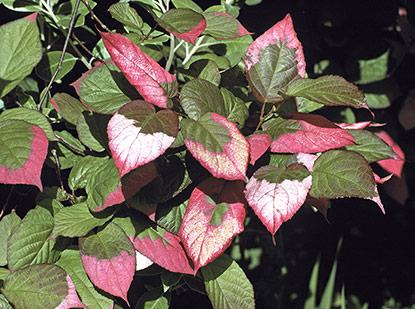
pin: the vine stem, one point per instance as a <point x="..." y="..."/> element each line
<point x="65" y="46"/>
<point x="262" y="117"/>
<point x="171" y="53"/>
<point x="193" y="50"/>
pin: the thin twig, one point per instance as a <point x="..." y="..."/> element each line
<point x="73" y="147"/>
<point x="65" y="46"/>
<point x="171" y="54"/>
<point x="93" y="16"/>
<point x="86" y="48"/>
<point x="58" y="165"/>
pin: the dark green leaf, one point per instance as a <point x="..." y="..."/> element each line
<point x="47" y="66"/>
<point x="68" y="107"/>
<point x="126" y="15"/>
<point x="92" y="130"/>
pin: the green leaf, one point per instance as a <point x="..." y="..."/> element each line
<point x="4" y="304"/>
<point x="66" y="154"/>
<point x="235" y="109"/>
<point x="170" y="216"/>
<point x="370" y="146"/>
<point x="373" y="70"/>
<point x="311" y="301"/>
<point x="76" y="221"/>
<point x="47" y="66"/>
<point x="92" y="130"/>
<point x="223" y="26"/>
<point x="235" y="48"/>
<point x="105" y="89"/>
<point x="83" y="170"/>
<point x="341" y="173"/>
<point x="153" y="299"/>
<point x="30" y="243"/>
<point x="381" y="94"/>
<point x="71" y="262"/>
<point x="68" y="107"/>
<point x="307" y="106"/>
<point x="30" y="116"/>
<point x="126" y="15"/>
<point x="65" y="9"/>
<point x="7" y="226"/>
<point x="210" y="72"/>
<point x="227" y="285"/>
<point x="329" y="90"/>
<point x="199" y="96"/>
<point x="20" y="51"/>
<point x="187" y="4"/>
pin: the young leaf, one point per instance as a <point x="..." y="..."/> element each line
<point x="198" y="96"/>
<point x="372" y="147"/>
<point x="331" y="90"/>
<point x="20" y="51"/>
<point x="340" y="173"/>
<point x="214" y="216"/>
<point x="157" y="244"/>
<point x="305" y="133"/>
<point x="30" y="243"/>
<point x="76" y="221"/>
<point x="71" y="262"/>
<point x="227" y="285"/>
<point x="258" y="145"/>
<point x="40" y="286"/>
<point x="155" y="84"/>
<point x="276" y="195"/>
<point x="7" y="226"/>
<point x="23" y="149"/>
<point x="218" y="145"/>
<point x="223" y="26"/>
<point x="104" y="89"/>
<point x="273" y="60"/>
<point x="109" y="259"/>
<point x="185" y="24"/>
<point x="67" y="106"/>
<point x="396" y="164"/>
<point x="138" y="135"/>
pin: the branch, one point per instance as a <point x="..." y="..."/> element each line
<point x="93" y="16"/>
<point x="65" y="46"/>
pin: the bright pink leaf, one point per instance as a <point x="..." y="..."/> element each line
<point x="282" y="31"/>
<point x="29" y="146"/>
<point x="305" y="133"/>
<point x="229" y="159"/>
<point x="214" y="216"/>
<point x="32" y="17"/>
<point x="138" y="135"/>
<point x="71" y="300"/>
<point x="258" y="145"/>
<point x="393" y="166"/>
<point x="163" y="249"/>
<point x="155" y="84"/>
<point x="111" y="275"/>
<point x="276" y="195"/>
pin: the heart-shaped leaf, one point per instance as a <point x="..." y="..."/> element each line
<point x="276" y="195"/>
<point x="23" y="149"/>
<point x="331" y="90"/>
<point x="218" y="145"/>
<point x="138" y="135"/>
<point x="186" y="24"/>
<point x="223" y="26"/>
<point x="71" y="262"/>
<point x="155" y="84"/>
<point x="227" y="285"/>
<point x="156" y="243"/>
<point x="305" y="133"/>
<point x="214" y="216"/>
<point x="40" y="286"/>
<point x="109" y="259"/>
<point x="341" y="173"/>
<point x="273" y="60"/>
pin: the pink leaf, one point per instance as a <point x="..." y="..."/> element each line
<point x="28" y="143"/>
<point x="258" y="145"/>
<point x="280" y="32"/>
<point x="230" y="159"/>
<point x="111" y="275"/>
<point x="306" y="159"/>
<point x="71" y="300"/>
<point x="356" y="126"/>
<point x="32" y="17"/>
<point x="164" y="249"/>
<point x="138" y="135"/>
<point x="214" y="216"/>
<point x="155" y="84"/>
<point x="276" y="195"/>
<point x="306" y="133"/>
<point x="393" y="166"/>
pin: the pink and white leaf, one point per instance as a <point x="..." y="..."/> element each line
<point x="209" y="225"/>
<point x="71" y="300"/>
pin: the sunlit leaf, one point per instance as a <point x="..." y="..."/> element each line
<point x="7" y="226"/>
<point x="126" y="15"/>
<point x="223" y="26"/>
